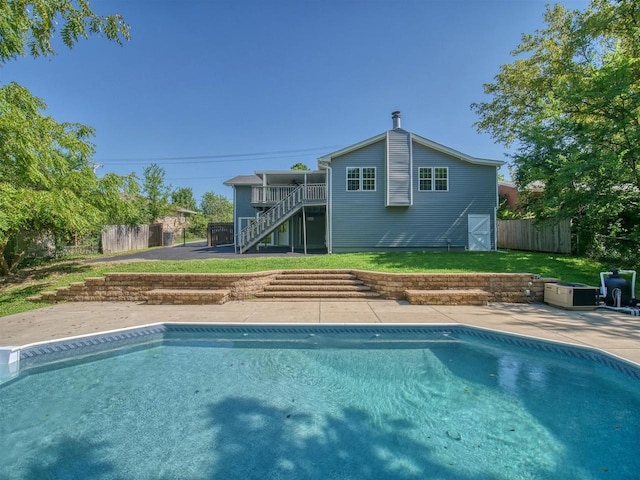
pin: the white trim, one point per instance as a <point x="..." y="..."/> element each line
<point x="361" y="179"/>
<point x="455" y="153"/>
<point x="386" y="164"/>
<point x="495" y="213"/>
<point x="411" y="169"/>
<point x="495" y="229"/>
<point x="239" y="225"/>
<point x="285" y="172"/>
<point x="236" y="230"/>
<point x="329" y="210"/>
<point x="484" y="218"/>
<point x="326" y="159"/>
<point x="375" y="180"/>
<point x="433" y="180"/>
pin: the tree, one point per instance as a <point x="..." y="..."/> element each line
<point x="217" y="208"/>
<point x="121" y="201"/>
<point x="299" y="166"/>
<point x="183" y="197"/>
<point x="27" y="27"/>
<point x="46" y="183"/>
<point x="155" y="191"/>
<point x="570" y="103"/>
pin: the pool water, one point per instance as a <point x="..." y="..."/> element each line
<point x="319" y="408"/>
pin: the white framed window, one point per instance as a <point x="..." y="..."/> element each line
<point x="361" y="179"/>
<point x="433" y="179"/>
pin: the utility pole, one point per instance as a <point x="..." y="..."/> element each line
<point x="96" y="166"/>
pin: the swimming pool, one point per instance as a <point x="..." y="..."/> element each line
<point x="201" y="402"/>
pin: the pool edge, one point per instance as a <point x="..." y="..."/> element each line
<point x="37" y="354"/>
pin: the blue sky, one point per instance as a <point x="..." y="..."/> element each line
<point x="213" y="89"/>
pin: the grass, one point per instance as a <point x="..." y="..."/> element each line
<point x="15" y="290"/>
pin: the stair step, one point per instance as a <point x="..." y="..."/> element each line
<point x="312" y="288"/>
<point x="319" y="271"/>
<point x="168" y="296"/>
<point x="316" y="294"/>
<point x="447" y="297"/>
<point x="331" y="281"/>
<point x="316" y="276"/>
<point x="325" y="284"/>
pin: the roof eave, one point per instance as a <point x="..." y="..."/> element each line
<point x="455" y="153"/>
<point x="326" y="159"/>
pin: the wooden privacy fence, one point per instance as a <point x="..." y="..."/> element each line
<point x="554" y="237"/>
<point x="219" y="234"/>
<point x="122" y="238"/>
<point x="155" y="235"/>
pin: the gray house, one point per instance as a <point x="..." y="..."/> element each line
<point x="394" y="191"/>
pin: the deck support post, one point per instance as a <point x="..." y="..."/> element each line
<point x="304" y="228"/>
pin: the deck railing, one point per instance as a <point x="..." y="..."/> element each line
<point x="270" y="195"/>
<point x="308" y="194"/>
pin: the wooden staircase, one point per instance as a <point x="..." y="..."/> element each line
<point x="307" y="194"/>
<point x="317" y="284"/>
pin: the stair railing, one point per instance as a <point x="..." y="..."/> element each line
<point x="269" y="220"/>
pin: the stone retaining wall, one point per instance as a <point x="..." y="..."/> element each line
<point x="132" y="287"/>
<point x="502" y="287"/>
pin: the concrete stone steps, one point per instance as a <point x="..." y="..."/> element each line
<point x="447" y="297"/>
<point x="317" y="287"/>
<point x="338" y="284"/>
<point x="176" y="296"/>
<point x="316" y="281"/>
<point x="290" y="277"/>
<point x="284" y="295"/>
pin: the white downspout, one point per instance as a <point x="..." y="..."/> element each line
<point x="495" y="214"/>
<point x="329" y="210"/>
<point x="236" y="231"/>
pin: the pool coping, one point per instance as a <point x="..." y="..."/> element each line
<point x="16" y="359"/>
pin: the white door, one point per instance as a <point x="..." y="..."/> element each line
<point x="479" y="232"/>
<point x="283" y="234"/>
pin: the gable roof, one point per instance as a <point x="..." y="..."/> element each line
<point x="244" y="180"/>
<point x="325" y="160"/>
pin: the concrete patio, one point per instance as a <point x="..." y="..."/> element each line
<point x="614" y="332"/>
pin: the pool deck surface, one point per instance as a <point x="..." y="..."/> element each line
<point x="613" y="332"/>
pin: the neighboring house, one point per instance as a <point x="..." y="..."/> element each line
<point x="176" y="221"/>
<point x="516" y="199"/>
<point x="394" y="191"/>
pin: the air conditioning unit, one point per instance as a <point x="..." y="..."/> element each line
<point x="572" y="296"/>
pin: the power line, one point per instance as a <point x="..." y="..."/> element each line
<point x="197" y="178"/>
<point x="235" y="157"/>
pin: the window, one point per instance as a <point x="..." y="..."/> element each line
<point x="426" y="179"/>
<point x="433" y="179"/>
<point x="368" y="178"/>
<point x="361" y="179"/>
<point x="353" y="179"/>
<point x="442" y="181"/>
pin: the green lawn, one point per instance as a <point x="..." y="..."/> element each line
<point x="15" y="290"/>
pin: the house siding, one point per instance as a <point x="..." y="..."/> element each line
<point x="361" y="221"/>
<point x="243" y="208"/>
<point x="399" y="168"/>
